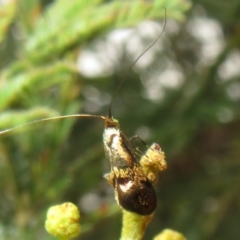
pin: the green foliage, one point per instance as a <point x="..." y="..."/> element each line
<point x="193" y="115"/>
<point x="40" y="78"/>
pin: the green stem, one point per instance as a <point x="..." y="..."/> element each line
<point x="134" y="225"/>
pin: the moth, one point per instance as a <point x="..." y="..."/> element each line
<point x="133" y="191"/>
<point x="133" y="186"/>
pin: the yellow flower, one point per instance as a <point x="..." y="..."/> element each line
<point x="63" y="221"/>
<point x="152" y="162"/>
<point x="169" y="234"/>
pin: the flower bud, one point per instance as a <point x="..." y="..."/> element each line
<point x="169" y="234"/>
<point x="63" y="221"/>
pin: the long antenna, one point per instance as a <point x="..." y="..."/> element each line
<point x="132" y="65"/>
<point x="52" y="118"/>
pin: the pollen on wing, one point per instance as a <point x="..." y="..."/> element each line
<point x="152" y="162"/>
<point x="143" y="200"/>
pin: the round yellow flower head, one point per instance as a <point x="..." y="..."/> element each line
<point x="169" y="234"/>
<point x="63" y="221"/>
<point x="152" y="162"/>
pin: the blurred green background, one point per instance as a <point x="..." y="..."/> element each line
<point x="63" y="57"/>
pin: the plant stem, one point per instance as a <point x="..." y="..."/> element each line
<point x="134" y="225"/>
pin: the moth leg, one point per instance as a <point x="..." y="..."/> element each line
<point x="154" y="147"/>
<point x="140" y="139"/>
